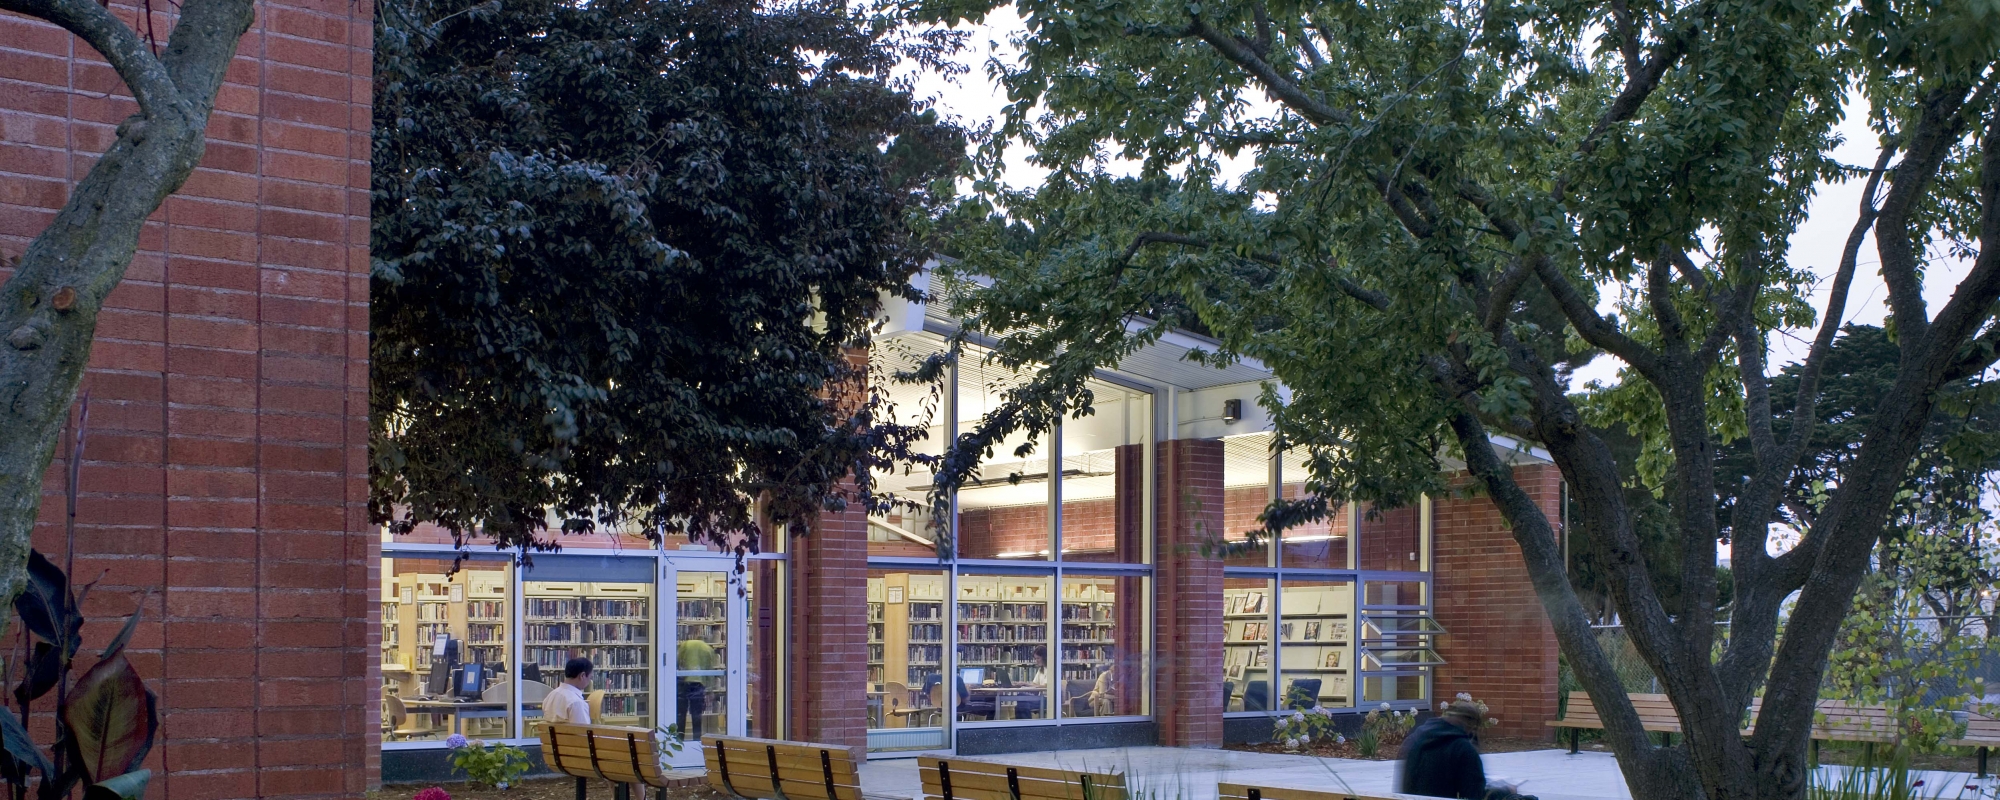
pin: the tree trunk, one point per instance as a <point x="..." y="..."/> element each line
<point x="49" y="306"/>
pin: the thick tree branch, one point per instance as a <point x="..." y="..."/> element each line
<point x="1937" y="128"/>
<point x="1280" y="86"/>
<point x="144" y="75"/>
<point x="1593" y="328"/>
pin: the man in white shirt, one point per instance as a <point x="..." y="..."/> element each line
<point x="566" y="703"/>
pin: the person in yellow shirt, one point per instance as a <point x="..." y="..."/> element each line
<point x="694" y="655"/>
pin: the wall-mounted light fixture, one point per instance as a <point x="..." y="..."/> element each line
<point x="1232" y="410"/>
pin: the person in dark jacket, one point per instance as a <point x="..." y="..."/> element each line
<point x="1441" y="757"/>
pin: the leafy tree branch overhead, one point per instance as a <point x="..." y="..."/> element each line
<point x="1440" y="196"/>
<point x="623" y="252"/>
<point x="49" y="304"/>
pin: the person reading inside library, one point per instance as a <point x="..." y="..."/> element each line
<point x="693" y="655"/>
<point x="1029" y="705"/>
<point x="566" y="704"/>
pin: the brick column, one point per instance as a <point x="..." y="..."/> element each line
<point x="829" y="657"/>
<point x="1187" y="686"/>
<point x="1498" y="646"/>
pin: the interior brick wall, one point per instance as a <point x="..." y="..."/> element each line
<point x="226" y="471"/>
<point x="1187" y="696"/>
<point x="1499" y="646"/>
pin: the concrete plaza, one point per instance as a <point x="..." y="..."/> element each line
<point x="1168" y="773"/>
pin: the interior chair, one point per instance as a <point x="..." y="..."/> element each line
<point x="1228" y="691"/>
<point x="967" y="707"/>
<point x="1076" y="696"/>
<point x="399" y="719"/>
<point x="534" y="692"/>
<point x="1302" y="694"/>
<point x="896" y="703"/>
<point x="596" y="701"/>
<point x="1257" y="696"/>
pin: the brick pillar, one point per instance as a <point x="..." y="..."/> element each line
<point x="1187" y="689"/>
<point x="1498" y="646"/>
<point x="828" y="660"/>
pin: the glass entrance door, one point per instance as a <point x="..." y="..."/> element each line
<point x="702" y="670"/>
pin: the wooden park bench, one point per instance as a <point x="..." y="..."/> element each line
<point x="770" y="769"/>
<point x="1656" y="715"/>
<point x="960" y="779"/>
<point x="1840" y="721"/>
<point x="1237" y="791"/>
<point x="1982" y="732"/>
<point x="624" y="756"/>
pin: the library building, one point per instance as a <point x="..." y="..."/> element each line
<point x="1084" y="601"/>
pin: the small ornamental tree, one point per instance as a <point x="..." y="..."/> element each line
<point x="49" y="302"/>
<point x="1451" y="201"/>
<point x="626" y="255"/>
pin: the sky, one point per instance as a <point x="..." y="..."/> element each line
<point x="974" y="99"/>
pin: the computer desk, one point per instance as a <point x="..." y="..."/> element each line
<point x="461" y="710"/>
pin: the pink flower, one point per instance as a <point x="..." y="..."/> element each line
<point x="433" y="793"/>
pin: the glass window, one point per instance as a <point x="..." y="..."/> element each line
<point x="447" y="660"/>
<point x="1394" y="688"/>
<point x="1104" y="648"/>
<point x="1391" y="539"/>
<point x="1313" y="545"/>
<point x="910" y="532"/>
<point x="608" y="619"/>
<point x="1246" y="492"/>
<point x="1315" y="635"/>
<point x="1003" y="511"/>
<point x="1247" y="613"/>
<point x="1394" y="594"/>
<point x="1104" y="477"/>
<point x="906" y="640"/>
<point x="1003" y="647"/>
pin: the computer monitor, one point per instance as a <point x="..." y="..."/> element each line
<point x="444" y="657"/>
<point x="531" y="672"/>
<point x="972" y="676"/>
<point x="471" y="681"/>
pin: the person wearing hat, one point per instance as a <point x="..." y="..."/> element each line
<point x="1441" y="757"/>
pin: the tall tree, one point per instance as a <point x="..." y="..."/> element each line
<point x="623" y="252"/>
<point x="49" y="305"/>
<point x="1429" y="174"/>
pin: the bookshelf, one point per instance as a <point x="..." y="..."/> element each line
<point x="1000" y="623"/>
<point x="1316" y="634"/>
<point x="905" y="629"/>
<point x="1246" y="638"/>
<point x="608" y="623"/>
<point x="1089" y="628"/>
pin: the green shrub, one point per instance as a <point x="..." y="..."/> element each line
<point x="490" y="765"/>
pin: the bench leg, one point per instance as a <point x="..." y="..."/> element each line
<point x="582" y="789"/>
<point x="1982" y="762"/>
<point x="620" y="791"/>
<point x="1575" y="737"/>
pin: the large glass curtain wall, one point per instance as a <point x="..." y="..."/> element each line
<point x="1038" y="611"/>
<point x="474" y="650"/>
<point x="1336" y="613"/>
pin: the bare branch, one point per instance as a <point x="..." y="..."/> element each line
<point x="1628" y="38"/>
<point x="1594" y="328"/>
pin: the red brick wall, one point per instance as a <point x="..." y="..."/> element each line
<point x="226" y="469"/>
<point x="1499" y="647"/>
<point x="828" y="658"/>
<point x="1187" y="694"/>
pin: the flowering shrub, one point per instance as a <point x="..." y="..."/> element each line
<point x="1489" y="721"/>
<point x="1301" y="728"/>
<point x="455" y="741"/>
<point x="1383" y="727"/>
<point x="433" y="793"/>
<point x="495" y="765"/>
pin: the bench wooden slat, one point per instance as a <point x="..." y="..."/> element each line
<point x="1980" y="731"/>
<point x="606" y="751"/>
<point x="1840" y="721"/>
<point x="985" y="780"/>
<point x="742" y="766"/>
<point x="966" y="784"/>
<point x="1238" y="791"/>
<point x="1656" y="713"/>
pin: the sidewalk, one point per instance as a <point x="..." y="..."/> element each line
<point x="1168" y="773"/>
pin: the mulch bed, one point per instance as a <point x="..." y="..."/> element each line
<point x="542" y="788"/>
<point x="1488" y="744"/>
